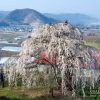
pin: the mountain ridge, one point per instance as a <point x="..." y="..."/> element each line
<point x="25" y="16"/>
<point x="29" y="16"/>
<point x="74" y="18"/>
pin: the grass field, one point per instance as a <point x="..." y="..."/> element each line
<point x="24" y="94"/>
<point x="33" y="94"/>
<point x="93" y="41"/>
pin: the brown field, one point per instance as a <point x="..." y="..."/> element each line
<point x="7" y="53"/>
<point x="92" y="37"/>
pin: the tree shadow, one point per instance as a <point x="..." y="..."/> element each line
<point x="46" y="97"/>
<point x="4" y="98"/>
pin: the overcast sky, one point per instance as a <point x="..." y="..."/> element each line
<point x="89" y="7"/>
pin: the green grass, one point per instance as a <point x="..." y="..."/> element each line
<point x="12" y="93"/>
<point x="92" y="42"/>
<point x="32" y="94"/>
<point x="25" y="94"/>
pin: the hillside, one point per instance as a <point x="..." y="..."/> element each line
<point x="3" y="14"/>
<point x="24" y="17"/>
<point x="30" y="16"/>
<point x="74" y="19"/>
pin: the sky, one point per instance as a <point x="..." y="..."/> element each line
<point x="89" y="7"/>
